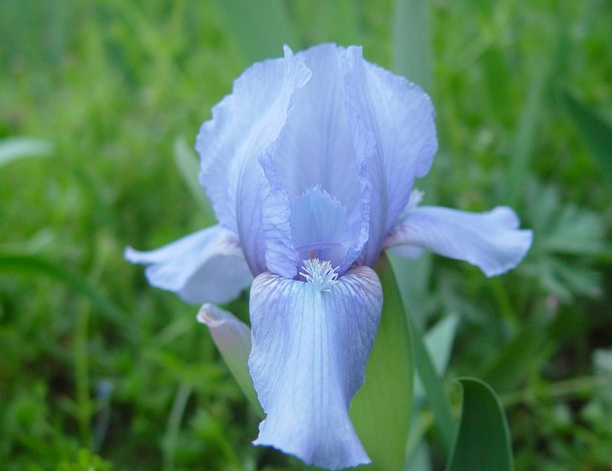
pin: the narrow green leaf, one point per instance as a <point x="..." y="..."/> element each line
<point x="433" y="385"/>
<point x="439" y="342"/>
<point x="345" y="14"/>
<point x="173" y="427"/>
<point x="419" y="459"/>
<point x="526" y="134"/>
<point x="595" y="131"/>
<point x="16" y="148"/>
<point x="483" y="438"/>
<point x="189" y="168"/>
<point x="412" y="56"/>
<point x="381" y="409"/>
<point x="414" y="276"/>
<point x="260" y="27"/>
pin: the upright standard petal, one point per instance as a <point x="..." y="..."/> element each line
<point x="400" y="117"/>
<point x="244" y="125"/>
<point x="311" y="341"/>
<point x="316" y="149"/>
<point x="319" y="226"/>
<point x="490" y="240"/>
<point x="207" y="265"/>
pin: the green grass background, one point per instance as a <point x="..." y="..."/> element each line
<point x="100" y="102"/>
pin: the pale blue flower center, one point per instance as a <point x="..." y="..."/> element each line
<point x="320" y="273"/>
<point x="319" y="228"/>
<point x="333" y="252"/>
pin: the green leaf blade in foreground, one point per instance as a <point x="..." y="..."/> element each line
<point x="483" y="438"/>
<point x="382" y="408"/>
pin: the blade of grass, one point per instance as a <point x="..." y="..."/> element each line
<point x="346" y="21"/>
<point x="433" y="386"/>
<point x="15" y="148"/>
<point x="596" y="132"/>
<point x="412" y="55"/>
<point x="81" y="375"/>
<point x="261" y="28"/>
<point x="30" y="264"/>
<point x="439" y="340"/>
<point x="173" y="426"/>
<point x="527" y="130"/>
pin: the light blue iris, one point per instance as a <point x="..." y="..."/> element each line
<point x="309" y="165"/>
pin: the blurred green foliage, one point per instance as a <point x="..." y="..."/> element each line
<point x="100" y="371"/>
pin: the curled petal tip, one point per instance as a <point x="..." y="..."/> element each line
<point x="128" y="254"/>
<point x="211" y="316"/>
<point x="233" y="339"/>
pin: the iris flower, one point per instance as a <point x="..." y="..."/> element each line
<point x="309" y="164"/>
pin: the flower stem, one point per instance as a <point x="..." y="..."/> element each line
<point x="81" y="366"/>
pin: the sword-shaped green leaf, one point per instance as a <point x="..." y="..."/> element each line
<point x="381" y="409"/>
<point x="483" y="440"/>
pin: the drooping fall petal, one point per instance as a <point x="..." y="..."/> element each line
<point x="310" y="346"/>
